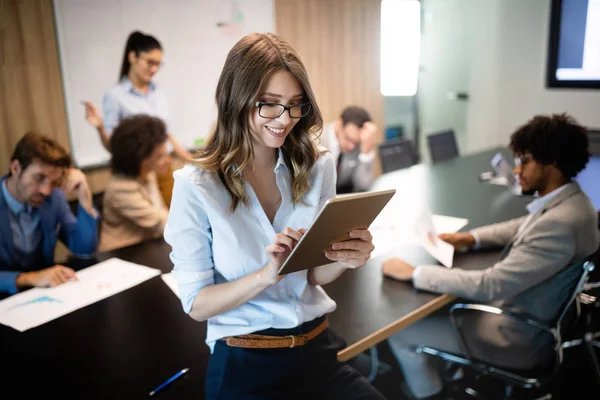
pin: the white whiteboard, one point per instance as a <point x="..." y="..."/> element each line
<point x="196" y="36"/>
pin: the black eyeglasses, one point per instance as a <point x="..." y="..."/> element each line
<point x="153" y="63"/>
<point x="522" y="159"/>
<point x="275" y="110"/>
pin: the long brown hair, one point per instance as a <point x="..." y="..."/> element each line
<point x="248" y="67"/>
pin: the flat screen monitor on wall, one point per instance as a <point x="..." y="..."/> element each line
<point x="574" y="52"/>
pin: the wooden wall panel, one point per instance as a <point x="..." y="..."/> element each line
<point x="31" y="91"/>
<point x="339" y="42"/>
<point x="31" y="95"/>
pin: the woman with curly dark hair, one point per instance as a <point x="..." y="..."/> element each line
<point x="134" y="209"/>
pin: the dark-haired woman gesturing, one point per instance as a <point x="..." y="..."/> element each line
<point x="135" y="93"/>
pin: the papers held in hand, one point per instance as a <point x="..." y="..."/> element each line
<point x="338" y="217"/>
<point x="427" y="233"/>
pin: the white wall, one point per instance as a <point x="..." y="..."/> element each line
<point x="196" y="37"/>
<point x="509" y="42"/>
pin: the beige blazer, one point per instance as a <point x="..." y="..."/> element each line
<point x="133" y="211"/>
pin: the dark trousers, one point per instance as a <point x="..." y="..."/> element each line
<point x="311" y="371"/>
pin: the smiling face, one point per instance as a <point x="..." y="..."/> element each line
<point x="281" y="88"/>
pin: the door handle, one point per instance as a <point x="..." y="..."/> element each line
<point x="459" y="96"/>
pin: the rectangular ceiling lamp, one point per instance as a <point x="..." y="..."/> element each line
<point x="400" y="46"/>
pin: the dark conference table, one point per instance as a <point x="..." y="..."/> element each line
<point x="127" y="344"/>
<point x="370" y="307"/>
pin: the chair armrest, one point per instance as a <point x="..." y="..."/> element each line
<point x="591" y="286"/>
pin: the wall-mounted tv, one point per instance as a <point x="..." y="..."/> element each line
<point x="574" y="46"/>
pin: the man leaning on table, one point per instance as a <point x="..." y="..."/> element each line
<point x="351" y="141"/>
<point x="35" y="213"/>
<point x="539" y="265"/>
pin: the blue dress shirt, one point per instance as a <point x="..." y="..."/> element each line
<point x="124" y="100"/>
<point x="28" y="235"/>
<point x="26" y="229"/>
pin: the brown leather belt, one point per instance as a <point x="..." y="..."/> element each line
<point x="254" y="341"/>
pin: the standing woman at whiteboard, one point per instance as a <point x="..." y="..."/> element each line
<point x="135" y="93"/>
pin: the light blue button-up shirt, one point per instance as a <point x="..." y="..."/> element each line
<point x="26" y="229"/>
<point x="124" y="100"/>
<point x="212" y="246"/>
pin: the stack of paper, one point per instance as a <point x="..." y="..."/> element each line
<point x="37" y="306"/>
<point x="428" y="227"/>
<point x="421" y="229"/>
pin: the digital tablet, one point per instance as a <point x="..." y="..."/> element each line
<point x="339" y="216"/>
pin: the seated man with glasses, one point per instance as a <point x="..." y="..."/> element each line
<point x="537" y="270"/>
<point x="351" y="141"/>
<point x="35" y="213"/>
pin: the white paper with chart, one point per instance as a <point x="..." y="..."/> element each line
<point x="37" y="306"/>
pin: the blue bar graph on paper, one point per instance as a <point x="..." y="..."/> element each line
<point x="41" y="299"/>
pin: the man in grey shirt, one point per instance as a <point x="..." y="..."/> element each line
<point x="351" y="141"/>
<point x="537" y="270"/>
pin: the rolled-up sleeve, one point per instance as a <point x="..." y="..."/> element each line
<point x="189" y="234"/>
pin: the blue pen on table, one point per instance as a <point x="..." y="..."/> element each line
<point x="171" y="379"/>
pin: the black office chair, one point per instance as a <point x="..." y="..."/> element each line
<point x="442" y="146"/>
<point x="396" y="154"/>
<point x="511" y="378"/>
<point x="588" y="334"/>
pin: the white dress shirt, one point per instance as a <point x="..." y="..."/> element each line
<point x="212" y="246"/>
<point x="361" y="175"/>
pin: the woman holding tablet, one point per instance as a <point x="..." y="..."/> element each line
<point x="137" y="94"/>
<point x="237" y="211"/>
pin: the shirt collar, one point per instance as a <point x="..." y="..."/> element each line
<point x="14" y="205"/>
<point x="128" y="86"/>
<point x="538" y="204"/>
<point x="280" y="160"/>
